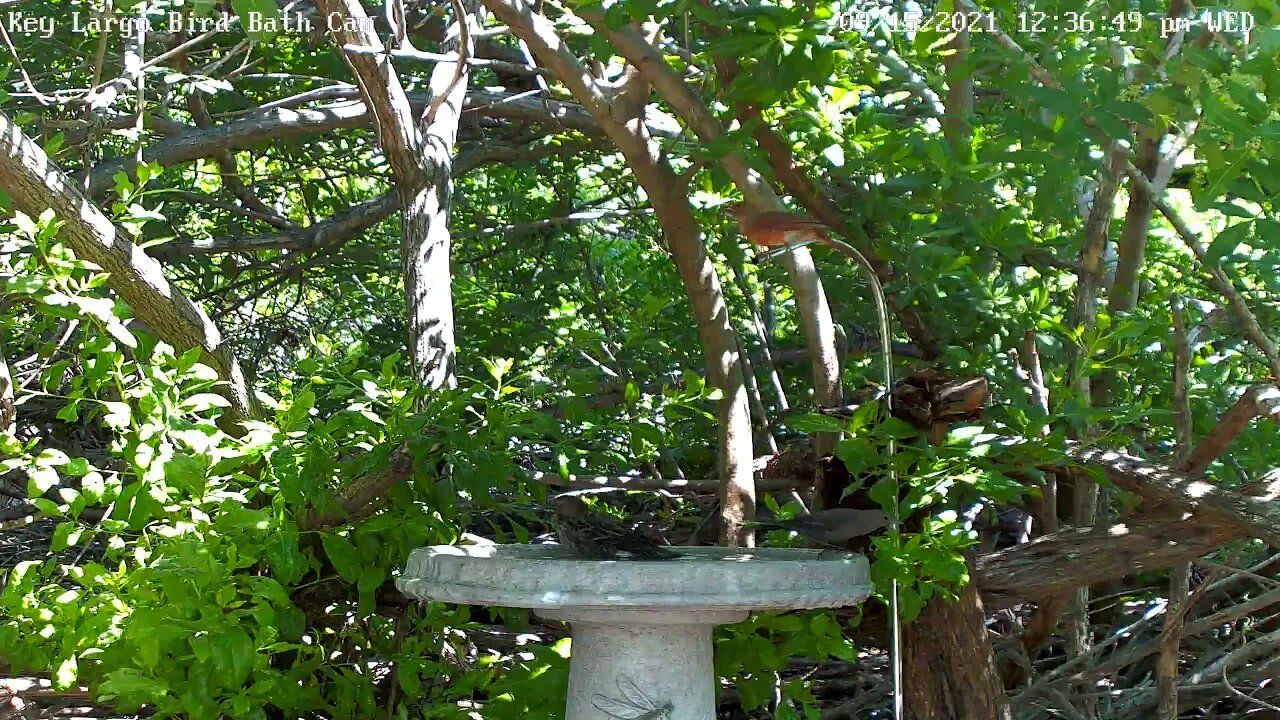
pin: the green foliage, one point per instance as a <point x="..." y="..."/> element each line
<point x="754" y="652"/>
<point x="195" y="605"/>
<point x="185" y="571"/>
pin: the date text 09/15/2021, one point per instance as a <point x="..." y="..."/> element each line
<point x="1035" y="22"/>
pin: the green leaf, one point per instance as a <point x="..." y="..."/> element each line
<point x="129" y="684"/>
<point x="233" y="656"/>
<point x="189" y="358"/>
<point x="1057" y="100"/>
<point x="66" y="535"/>
<point x="371" y="578"/>
<point x="343" y="555"/>
<point x="815" y="423"/>
<point x="287" y="563"/>
<point x="1221" y="171"/>
<point x="69" y="412"/>
<point x="407" y="675"/>
<point x="255" y="16"/>
<point x="117" y="414"/>
<point x="24" y="284"/>
<point x="1268" y="232"/>
<point x="497" y="367"/>
<point x="40" y="480"/>
<point x="834" y="155"/>
<point x="122" y="335"/>
<point x="92" y="487"/>
<point x="64" y="676"/>
<point x="1227" y="241"/>
<point x="203" y="401"/>
<point x="97" y="308"/>
<point x="185" y="472"/>
<point x="291" y="622"/>
<point x="242" y="518"/>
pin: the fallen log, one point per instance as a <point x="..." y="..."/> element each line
<point x="1076" y="557"/>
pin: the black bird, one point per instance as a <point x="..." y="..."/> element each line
<point x="833" y="526"/>
<point x="596" y="536"/>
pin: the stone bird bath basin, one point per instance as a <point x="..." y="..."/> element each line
<point x="641" y="629"/>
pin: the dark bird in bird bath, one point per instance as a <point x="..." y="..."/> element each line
<point x="596" y="536"/>
<point x="834" y="526"/>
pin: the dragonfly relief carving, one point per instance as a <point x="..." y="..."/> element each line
<point x="633" y="705"/>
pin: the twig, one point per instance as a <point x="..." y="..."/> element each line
<point x="17" y="58"/>
<point x="460" y="65"/>
<point x="1253" y="402"/>
<point x="1227" y="569"/>
<point x="1242" y="696"/>
<point x="1181" y="369"/>
<point x="423" y="56"/>
<point x="1180" y="575"/>
<point x="157" y="59"/>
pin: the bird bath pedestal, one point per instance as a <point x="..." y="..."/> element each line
<point x="641" y="629"/>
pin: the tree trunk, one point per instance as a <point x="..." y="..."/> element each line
<point x="949" y="671"/>
<point x="428" y="282"/>
<point x="419" y="149"/>
<point x="667" y="193"/>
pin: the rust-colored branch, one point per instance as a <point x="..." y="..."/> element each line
<point x="364" y="495"/>
<point x="1257" y="400"/>
<point x="1180" y="574"/>
<point x="1181" y="383"/>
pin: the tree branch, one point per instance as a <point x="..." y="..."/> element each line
<point x="36" y="184"/>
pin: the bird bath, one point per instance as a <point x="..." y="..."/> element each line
<point x="641" y="628"/>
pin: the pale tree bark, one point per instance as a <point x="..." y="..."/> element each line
<point x="959" y="103"/>
<point x="1156" y="163"/>
<point x="36" y="185"/>
<point x="1180" y="574"/>
<point x="1132" y="247"/>
<point x="8" y="409"/>
<point x="1084" y="514"/>
<point x="420" y="152"/>
<point x="667" y="193"/>
<point x="183" y="143"/>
